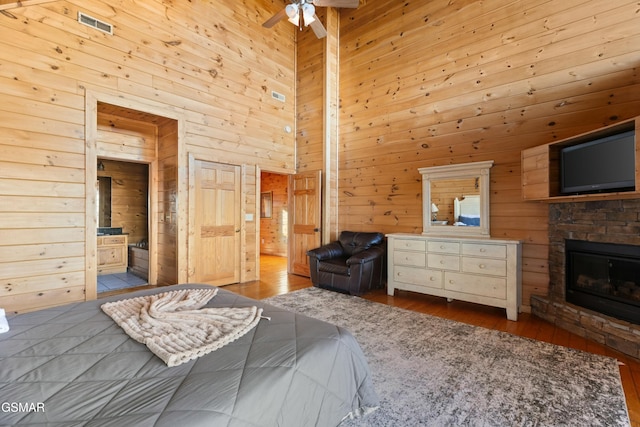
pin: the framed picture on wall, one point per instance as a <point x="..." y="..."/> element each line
<point x="266" y="204"/>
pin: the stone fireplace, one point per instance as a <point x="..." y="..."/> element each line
<point x="615" y="222"/>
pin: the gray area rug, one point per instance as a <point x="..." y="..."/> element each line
<point x="430" y="371"/>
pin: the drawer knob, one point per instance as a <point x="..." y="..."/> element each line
<point x="442" y="246"/>
<point x="483" y="250"/>
<point x="481" y="266"/>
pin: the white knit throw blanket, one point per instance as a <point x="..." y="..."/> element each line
<point x="175" y="327"/>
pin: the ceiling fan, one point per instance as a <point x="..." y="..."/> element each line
<point x="303" y="12"/>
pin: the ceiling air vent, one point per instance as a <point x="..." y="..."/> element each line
<point x="95" y="23"/>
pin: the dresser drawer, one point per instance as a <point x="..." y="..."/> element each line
<point x="409" y="244"/>
<point x="443" y="247"/>
<point x="494" y="267"/>
<point x="443" y="262"/>
<point x="414" y="259"/>
<point x="418" y="276"/>
<point x="492" y="287"/>
<point x="491" y="251"/>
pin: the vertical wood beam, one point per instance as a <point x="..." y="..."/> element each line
<point x="91" y="216"/>
<point x="330" y="126"/>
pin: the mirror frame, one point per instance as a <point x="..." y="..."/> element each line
<point x="479" y="170"/>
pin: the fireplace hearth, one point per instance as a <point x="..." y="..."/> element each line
<point x="604" y="277"/>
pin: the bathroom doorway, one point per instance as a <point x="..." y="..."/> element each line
<point x="123" y="224"/>
<point x="135" y="134"/>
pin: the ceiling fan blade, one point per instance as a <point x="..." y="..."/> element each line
<point x="318" y="28"/>
<point x="337" y="3"/>
<point x="275" y="19"/>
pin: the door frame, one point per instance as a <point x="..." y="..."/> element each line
<point x="93" y="96"/>
<point x="191" y="230"/>
<point x="152" y="213"/>
<point x="259" y="172"/>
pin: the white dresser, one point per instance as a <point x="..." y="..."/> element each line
<point x="479" y="270"/>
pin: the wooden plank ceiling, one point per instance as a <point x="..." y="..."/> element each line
<point x="9" y="4"/>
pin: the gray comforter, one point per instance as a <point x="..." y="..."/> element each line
<point x="74" y="366"/>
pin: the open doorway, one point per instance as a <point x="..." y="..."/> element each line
<point x="144" y="135"/>
<point x="274" y="214"/>
<point x="123" y="225"/>
<point x="290" y="217"/>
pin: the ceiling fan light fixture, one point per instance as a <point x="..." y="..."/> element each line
<point x="293" y="13"/>
<point x="302" y="13"/>
<point x="308" y="13"/>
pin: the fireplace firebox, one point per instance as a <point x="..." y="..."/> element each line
<point x="604" y="277"/>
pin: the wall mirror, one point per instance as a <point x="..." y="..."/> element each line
<point x="266" y="204"/>
<point x="455" y="199"/>
<point x="104" y="201"/>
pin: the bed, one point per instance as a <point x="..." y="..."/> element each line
<point x="467" y="211"/>
<point x="72" y="365"/>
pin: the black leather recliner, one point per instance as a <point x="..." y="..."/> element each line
<point x="353" y="264"/>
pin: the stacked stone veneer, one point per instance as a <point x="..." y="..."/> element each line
<point x="613" y="221"/>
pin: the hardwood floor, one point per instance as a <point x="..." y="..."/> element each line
<point x="276" y="281"/>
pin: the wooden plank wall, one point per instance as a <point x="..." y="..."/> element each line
<point x="440" y="82"/>
<point x="309" y="99"/>
<point x="209" y="61"/>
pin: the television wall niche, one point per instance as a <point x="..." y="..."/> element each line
<point x="592" y="175"/>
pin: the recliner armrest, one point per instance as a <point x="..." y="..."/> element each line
<point x="366" y="256"/>
<point x="328" y="251"/>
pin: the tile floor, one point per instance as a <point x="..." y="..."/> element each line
<point x="112" y="282"/>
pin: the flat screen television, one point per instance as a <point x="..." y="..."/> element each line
<point x="603" y="164"/>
